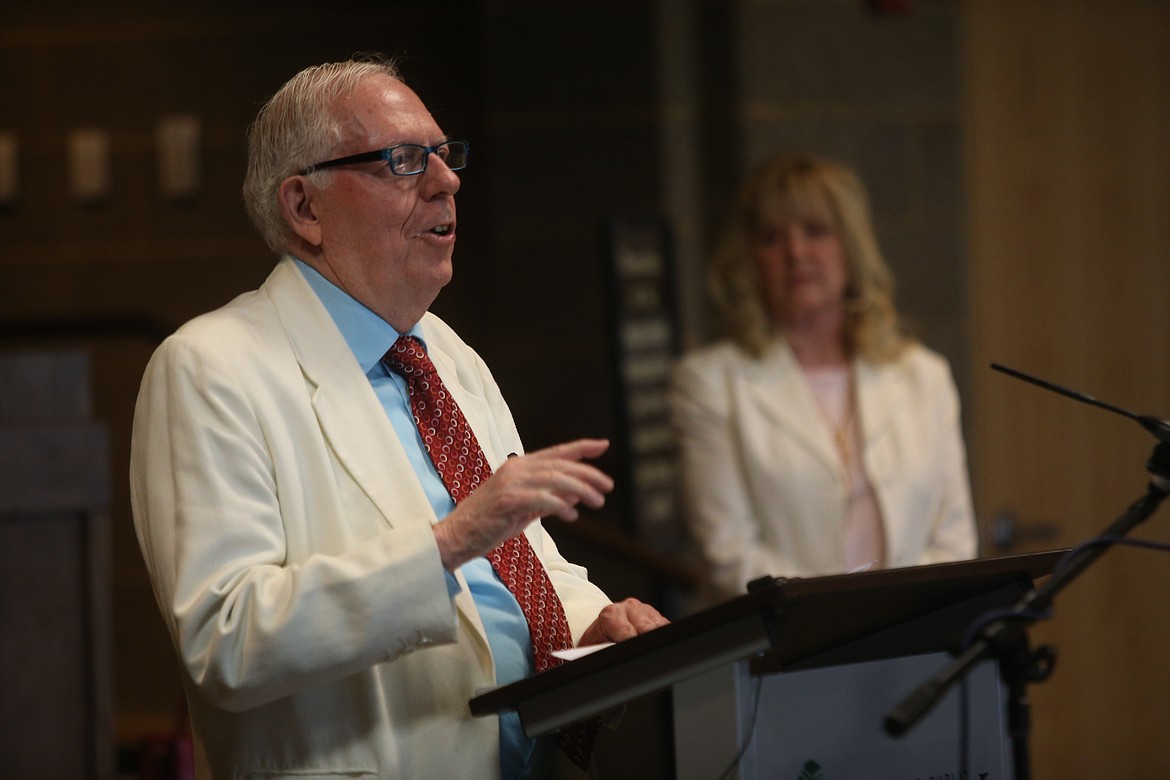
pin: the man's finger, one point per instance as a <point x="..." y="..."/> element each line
<point x="574" y="450"/>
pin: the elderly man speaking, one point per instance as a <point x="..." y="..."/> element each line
<point x="339" y="519"/>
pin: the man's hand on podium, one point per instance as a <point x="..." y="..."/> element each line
<point x="621" y="621"/>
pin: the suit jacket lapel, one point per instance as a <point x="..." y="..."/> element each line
<point x="879" y="393"/>
<point x="471" y="401"/>
<point x="776" y="386"/>
<point x="350" y="415"/>
<point x="474" y="408"/>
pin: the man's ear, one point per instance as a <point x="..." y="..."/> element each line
<point x="296" y="205"/>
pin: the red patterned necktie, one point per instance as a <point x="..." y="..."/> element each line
<point x="462" y="466"/>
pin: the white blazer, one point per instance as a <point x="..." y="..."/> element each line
<point x="290" y="548"/>
<point x="762" y="484"/>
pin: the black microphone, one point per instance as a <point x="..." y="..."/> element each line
<point x="1155" y="425"/>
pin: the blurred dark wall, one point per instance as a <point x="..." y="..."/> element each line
<point x="122" y="67"/>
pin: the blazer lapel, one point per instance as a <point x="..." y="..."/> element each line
<point x="352" y="419"/>
<point x="471" y="401"/>
<point x="350" y="415"/>
<point x="879" y="394"/>
<point x="776" y="386"/>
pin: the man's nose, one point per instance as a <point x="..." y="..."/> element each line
<point x="438" y="179"/>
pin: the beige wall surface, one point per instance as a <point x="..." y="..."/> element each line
<point x="112" y="274"/>
<point x="1068" y="121"/>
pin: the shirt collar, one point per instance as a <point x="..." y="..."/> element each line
<point x="367" y="334"/>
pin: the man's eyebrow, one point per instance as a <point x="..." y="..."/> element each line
<point x="402" y="142"/>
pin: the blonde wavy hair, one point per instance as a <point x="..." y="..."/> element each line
<point x="297" y="128"/>
<point x="799" y="188"/>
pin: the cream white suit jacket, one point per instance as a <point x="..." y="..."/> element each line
<point x="290" y="547"/>
<point x="763" y="486"/>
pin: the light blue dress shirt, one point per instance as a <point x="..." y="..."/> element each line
<point x="369" y="337"/>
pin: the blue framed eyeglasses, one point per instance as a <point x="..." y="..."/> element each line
<point x="405" y="159"/>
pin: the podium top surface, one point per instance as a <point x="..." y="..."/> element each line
<point x="792" y="618"/>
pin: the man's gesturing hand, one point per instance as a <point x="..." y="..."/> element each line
<point x="547" y="482"/>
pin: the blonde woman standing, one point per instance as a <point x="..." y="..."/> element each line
<point x="818" y="438"/>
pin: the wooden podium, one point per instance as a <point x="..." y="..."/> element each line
<point x="793" y="678"/>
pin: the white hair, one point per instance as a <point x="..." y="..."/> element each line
<point x="296" y="128"/>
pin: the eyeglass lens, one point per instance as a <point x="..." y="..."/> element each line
<point x="410" y="158"/>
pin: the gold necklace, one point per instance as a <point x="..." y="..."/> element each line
<point x="842" y="432"/>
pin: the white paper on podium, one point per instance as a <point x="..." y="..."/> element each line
<point x="573" y="653"/>
<point x="570" y="654"/>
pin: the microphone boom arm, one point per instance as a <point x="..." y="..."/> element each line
<point x="1006" y="638"/>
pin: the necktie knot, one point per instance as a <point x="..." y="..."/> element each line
<point x="408" y="358"/>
